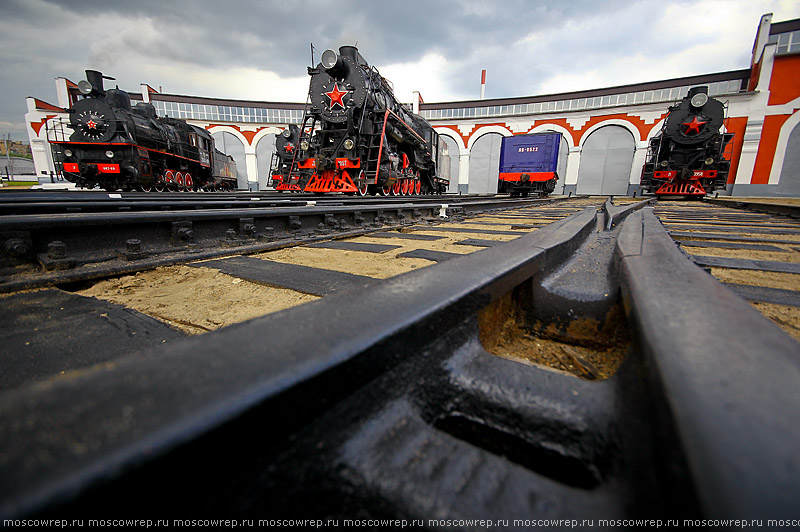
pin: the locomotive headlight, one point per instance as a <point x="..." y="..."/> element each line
<point x="699" y="99"/>
<point x="329" y="59"/>
<point x="109" y="154"/>
<point x="286" y="133"/>
<point x="84" y="86"/>
<point x="664" y="163"/>
<point x="709" y="161"/>
<point x="348" y="144"/>
<point x="68" y="153"/>
<point x="304" y="145"/>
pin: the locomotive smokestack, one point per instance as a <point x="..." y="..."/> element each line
<point x="700" y="89"/>
<point x="483" y="83"/>
<point x="95" y="79"/>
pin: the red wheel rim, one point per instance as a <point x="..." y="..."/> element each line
<point x="189" y="182"/>
<point x="385" y="191"/>
<point x="418" y="187"/>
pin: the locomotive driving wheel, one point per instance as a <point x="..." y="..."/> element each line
<point x="169" y="180"/>
<point x="363" y="186"/>
<point x="189" y="182"/>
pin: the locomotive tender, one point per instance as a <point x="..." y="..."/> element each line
<point x="528" y="164"/>
<point x="357" y="138"/>
<point x="116" y="146"/>
<point x="688" y="157"/>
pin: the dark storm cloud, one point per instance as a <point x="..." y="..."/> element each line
<point x="237" y="49"/>
<point x="276" y="35"/>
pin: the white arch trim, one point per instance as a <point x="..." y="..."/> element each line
<point x="263" y="132"/>
<point x="235" y="132"/>
<point x="541" y="128"/>
<point x="611" y="122"/>
<point x="447" y="132"/>
<point x="780" y="148"/>
<point x="485" y="130"/>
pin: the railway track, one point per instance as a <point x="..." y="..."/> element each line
<point x="558" y="361"/>
<point x="78" y="246"/>
<point x="755" y="254"/>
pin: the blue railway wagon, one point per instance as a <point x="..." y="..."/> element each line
<point x="528" y="164"/>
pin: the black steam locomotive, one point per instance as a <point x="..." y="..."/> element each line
<point x="118" y="146"/>
<point x="356" y="137"/>
<point x="688" y="157"/>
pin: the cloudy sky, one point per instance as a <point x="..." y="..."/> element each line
<point x="259" y="49"/>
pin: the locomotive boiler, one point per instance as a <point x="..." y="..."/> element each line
<point x="115" y="145"/>
<point x="688" y="158"/>
<point x="356" y="138"/>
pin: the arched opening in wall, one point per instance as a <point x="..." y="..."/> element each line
<point x="264" y="150"/>
<point x="452" y="149"/>
<point x="484" y="164"/>
<point x="228" y="144"/>
<point x="606" y="159"/>
<point x="789" y="183"/>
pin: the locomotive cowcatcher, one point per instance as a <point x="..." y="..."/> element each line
<point x="689" y="157"/>
<point x="356" y="138"/>
<point x="116" y="146"/>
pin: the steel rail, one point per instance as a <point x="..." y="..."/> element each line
<point x="729" y="377"/>
<point x="70" y="203"/>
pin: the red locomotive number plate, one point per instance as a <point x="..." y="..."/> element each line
<point x="108" y="168"/>
<point x="704" y="173"/>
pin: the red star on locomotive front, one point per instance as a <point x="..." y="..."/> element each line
<point x="337" y="95"/>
